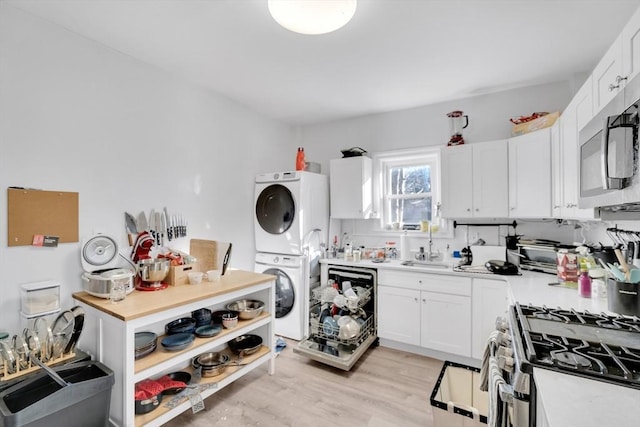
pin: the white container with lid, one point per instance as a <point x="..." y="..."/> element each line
<point x="40" y="298"/>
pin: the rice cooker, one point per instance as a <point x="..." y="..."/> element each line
<point x="99" y="257"/>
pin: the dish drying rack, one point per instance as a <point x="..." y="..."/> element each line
<point x="30" y="366"/>
<point x="319" y="299"/>
<point x="37" y="348"/>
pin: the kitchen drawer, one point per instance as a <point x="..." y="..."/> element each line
<point x="447" y="284"/>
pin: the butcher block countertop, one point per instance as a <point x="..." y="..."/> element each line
<point x="142" y="303"/>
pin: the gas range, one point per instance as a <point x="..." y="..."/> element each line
<point x="596" y="346"/>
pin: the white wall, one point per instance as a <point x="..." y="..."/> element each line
<point x="428" y="126"/>
<point x="77" y="116"/>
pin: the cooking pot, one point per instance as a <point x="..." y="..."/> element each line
<point x="147" y="405"/>
<point x="212" y="363"/>
<point x="99" y="283"/>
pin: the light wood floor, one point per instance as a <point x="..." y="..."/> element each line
<point x="385" y="388"/>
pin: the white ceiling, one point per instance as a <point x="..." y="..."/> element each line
<point x="394" y="54"/>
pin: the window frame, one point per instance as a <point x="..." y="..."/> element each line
<point x="384" y="161"/>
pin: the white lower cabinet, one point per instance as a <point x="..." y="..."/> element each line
<point x="452" y="314"/>
<point x="489" y="300"/>
<point x="445" y="321"/>
<point x="428" y="310"/>
<point x="399" y="314"/>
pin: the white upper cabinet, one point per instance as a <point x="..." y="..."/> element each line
<point x="456" y="178"/>
<point x="631" y="47"/>
<point x="475" y="180"/>
<point x="608" y="76"/>
<point x="583" y="104"/>
<point x="530" y="175"/>
<point x="557" y="179"/>
<point x="573" y="119"/>
<point x="351" y="187"/>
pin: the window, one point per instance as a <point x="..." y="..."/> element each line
<point x="408" y="187"/>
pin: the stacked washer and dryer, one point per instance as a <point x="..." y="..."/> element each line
<point x="291" y="227"/>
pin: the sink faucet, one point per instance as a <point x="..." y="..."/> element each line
<point x="431" y="255"/>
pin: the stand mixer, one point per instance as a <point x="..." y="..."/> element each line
<point x="151" y="271"/>
<point x="457" y="122"/>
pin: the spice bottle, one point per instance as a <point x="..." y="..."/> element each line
<point x="584" y="284"/>
<point x="300" y="162"/>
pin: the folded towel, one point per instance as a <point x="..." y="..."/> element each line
<point x="489" y="350"/>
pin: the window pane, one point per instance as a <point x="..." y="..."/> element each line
<point x="410" y="179"/>
<point x="410" y="211"/>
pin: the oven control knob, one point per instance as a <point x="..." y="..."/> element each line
<point x="502" y="324"/>
<point x="505" y="351"/>
<point x="506" y="363"/>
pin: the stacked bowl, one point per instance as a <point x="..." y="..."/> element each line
<point x="202" y="316"/>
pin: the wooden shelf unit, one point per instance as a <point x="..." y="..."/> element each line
<point x="110" y="337"/>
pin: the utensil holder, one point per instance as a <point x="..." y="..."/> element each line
<point x="623" y="297"/>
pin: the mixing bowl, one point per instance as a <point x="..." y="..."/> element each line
<point x="153" y="270"/>
<point x="247" y="308"/>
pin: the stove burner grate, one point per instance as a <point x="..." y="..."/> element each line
<point x="570" y="360"/>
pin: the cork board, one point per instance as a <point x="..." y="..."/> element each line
<point x="49" y="213"/>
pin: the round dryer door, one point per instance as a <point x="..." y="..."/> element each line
<point x="285" y="294"/>
<point x="275" y="209"/>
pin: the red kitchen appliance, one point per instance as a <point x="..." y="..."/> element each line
<point x="457" y="121"/>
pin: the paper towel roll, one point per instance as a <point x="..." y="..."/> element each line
<point x="482" y="254"/>
<point x="404" y="247"/>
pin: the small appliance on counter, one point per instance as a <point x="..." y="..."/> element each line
<point x="457" y="121"/>
<point x="99" y="258"/>
<point x="540" y="254"/>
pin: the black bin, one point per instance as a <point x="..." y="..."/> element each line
<point x="42" y="402"/>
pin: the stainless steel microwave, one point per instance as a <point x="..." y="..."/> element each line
<point x="608" y="164"/>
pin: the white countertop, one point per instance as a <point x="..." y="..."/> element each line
<point x="575" y="401"/>
<point x="568" y="400"/>
<point x="528" y="288"/>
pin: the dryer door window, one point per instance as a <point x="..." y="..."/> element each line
<point x="285" y="294"/>
<point x="275" y="209"/>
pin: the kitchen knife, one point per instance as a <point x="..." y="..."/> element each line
<point x="167" y="224"/>
<point x="132" y="228"/>
<point x="225" y="261"/>
<point x="158" y="228"/>
<point x="142" y="222"/>
<point x="152" y="225"/>
<point x="163" y="229"/>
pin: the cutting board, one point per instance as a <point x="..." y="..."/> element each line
<point x="209" y="254"/>
<point x="482" y="254"/>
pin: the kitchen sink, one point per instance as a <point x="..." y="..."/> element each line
<point x="427" y="264"/>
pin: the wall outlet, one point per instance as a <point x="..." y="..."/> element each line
<point x="474" y="236"/>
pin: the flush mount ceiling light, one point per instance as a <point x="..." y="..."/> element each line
<point x="312" y="16"/>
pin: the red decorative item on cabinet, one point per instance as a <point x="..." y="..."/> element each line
<point x="300" y="162"/>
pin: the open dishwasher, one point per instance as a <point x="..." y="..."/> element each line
<point x="342" y="318"/>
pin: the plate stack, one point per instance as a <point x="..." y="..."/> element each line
<point x="177" y="342"/>
<point x="145" y="343"/>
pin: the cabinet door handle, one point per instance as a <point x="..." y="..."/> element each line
<point x="415" y="299"/>
<point x="424" y="300"/>
<point x="468" y="209"/>
<point x="619" y="79"/>
<point x="477" y="210"/>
